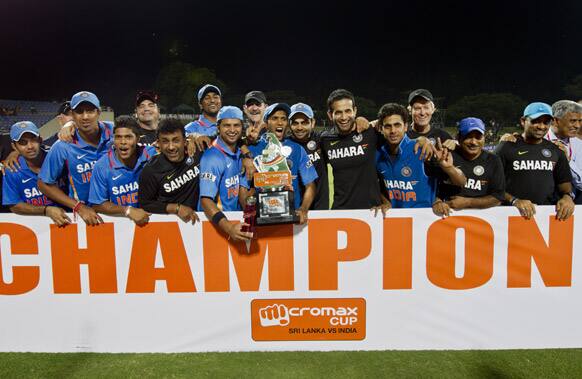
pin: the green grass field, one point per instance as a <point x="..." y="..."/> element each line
<point x="558" y="363"/>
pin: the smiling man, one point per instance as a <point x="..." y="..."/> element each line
<point x="277" y="119"/>
<point x="351" y="155"/>
<point x="421" y="107"/>
<point x="220" y="177"/>
<point x="91" y="140"/>
<point x="485" y="185"/>
<point x="20" y="189"/>
<point x="568" y="122"/>
<point x="114" y="184"/>
<point x="536" y="169"/>
<point x="169" y="182"/>
<point x="210" y="102"/>
<point x="147" y="113"/>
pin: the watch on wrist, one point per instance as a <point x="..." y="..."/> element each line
<point x="571" y="194"/>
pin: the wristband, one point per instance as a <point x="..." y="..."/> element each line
<point x="127" y="210"/>
<point x="217" y="217"/>
<point x="571" y="194"/>
<point x="513" y="201"/>
<point x="76" y="209"/>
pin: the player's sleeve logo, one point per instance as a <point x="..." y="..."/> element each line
<point x="274" y="315"/>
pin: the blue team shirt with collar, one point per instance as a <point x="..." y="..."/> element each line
<point x="21" y="187"/>
<point x="300" y="164"/>
<point x="113" y="181"/>
<point x="220" y="174"/>
<point x="202" y="126"/>
<point x="78" y="158"/>
<point x="405" y="177"/>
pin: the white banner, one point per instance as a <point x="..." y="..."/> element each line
<point x="347" y="281"/>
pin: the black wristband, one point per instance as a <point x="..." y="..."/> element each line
<point x="217" y="217"/>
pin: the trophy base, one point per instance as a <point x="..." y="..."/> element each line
<point x="276" y="207"/>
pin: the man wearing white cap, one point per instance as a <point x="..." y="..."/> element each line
<point x="535" y="168"/>
<point x="20" y="190"/>
<point x="91" y="140"/>
<point x="210" y="102"/>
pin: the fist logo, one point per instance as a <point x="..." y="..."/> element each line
<point x="274" y="315"/>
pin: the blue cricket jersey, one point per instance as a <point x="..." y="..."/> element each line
<point x="405" y="176"/>
<point x="79" y="158"/>
<point x="21" y="187"/>
<point x="202" y="126"/>
<point x="298" y="162"/>
<point x="113" y="181"/>
<point x="220" y="174"/>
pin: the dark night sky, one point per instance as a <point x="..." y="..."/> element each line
<point x="378" y="50"/>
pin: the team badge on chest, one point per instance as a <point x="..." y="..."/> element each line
<point x="311" y="145"/>
<point x="478" y="170"/>
<point x="546" y="153"/>
<point x="406" y="171"/>
<point x="358" y="138"/>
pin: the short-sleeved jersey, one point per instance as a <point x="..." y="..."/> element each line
<point x="21" y="187"/>
<point x="298" y="162"/>
<point x="532" y="171"/>
<point x="78" y="158"/>
<point x="410" y="182"/>
<point x="313" y="149"/>
<point x="484" y="177"/>
<point x="220" y="176"/>
<point x="202" y="126"/>
<point x="163" y="182"/>
<point x="432" y="134"/>
<point x="147" y="136"/>
<point x="352" y="158"/>
<point x="113" y="181"/>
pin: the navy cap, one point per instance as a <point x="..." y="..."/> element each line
<point x="257" y="96"/>
<point x="276" y="107"/>
<point x="21" y="127"/>
<point x="229" y="111"/>
<point x="535" y="110"/>
<point x="469" y="124"/>
<point x="424" y="93"/>
<point x="84" y="96"/>
<point x="301" y="108"/>
<point x="206" y="89"/>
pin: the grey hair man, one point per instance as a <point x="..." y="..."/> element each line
<point x="567" y="124"/>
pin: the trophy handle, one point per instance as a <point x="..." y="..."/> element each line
<point x="257" y="161"/>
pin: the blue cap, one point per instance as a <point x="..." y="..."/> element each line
<point x="301" y="108"/>
<point x="467" y="125"/>
<point x="208" y="88"/>
<point x="276" y="107"/>
<point x="84" y="96"/>
<point x="21" y="127"/>
<point x="535" y="110"/>
<point x="229" y="111"/>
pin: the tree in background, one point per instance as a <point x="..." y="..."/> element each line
<point x="497" y="110"/>
<point x="178" y="83"/>
<point x="574" y="88"/>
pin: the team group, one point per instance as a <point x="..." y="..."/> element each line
<point x="141" y="165"/>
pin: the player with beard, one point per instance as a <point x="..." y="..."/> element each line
<point x="277" y="119"/>
<point x="91" y="140"/>
<point x="254" y="110"/>
<point x="352" y="157"/>
<point x="169" y="182"/>
<point x="210" y="102"/>
<point x="221" y="177"/>
<point x="535" y="168"/>
<point x="147" y="113"/>
<point x="485" y="185"/>
<point x="302" y="123"/>
<point x="421" y="107"/>
<point x="20" y="190"/>
<point x="114" y="184"/>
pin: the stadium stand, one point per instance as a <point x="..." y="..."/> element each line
<point x="39" y="112"/>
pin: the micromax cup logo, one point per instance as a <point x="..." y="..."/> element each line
<point x="274" y="315"/>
